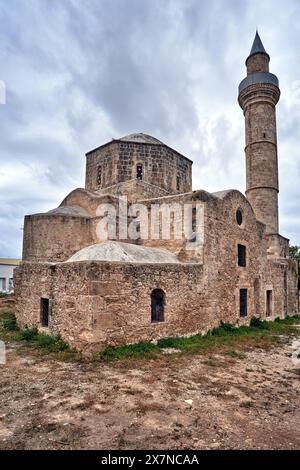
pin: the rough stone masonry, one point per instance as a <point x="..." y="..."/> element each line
<point x="96" y="294"/>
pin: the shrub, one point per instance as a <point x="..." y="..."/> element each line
<point x="51" y="343"/>
<point x="256" y="322"/>
<point x="168" y="342"/>
<point x="10" y="323"/>
<point x="43" y="341"/>
<point x="227" y="327"/>
<point x="28" y="334"/>
<point x="223" y="330"/>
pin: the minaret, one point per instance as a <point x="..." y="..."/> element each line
<point x="258" y="95"/>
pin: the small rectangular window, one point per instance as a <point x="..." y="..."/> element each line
<point x="269" y="303"/>
<point x="139" y="172"/>
<point x="241" y="255"/>
<point x="45" y="312"/>
<point x="99" y="176"/>
<point x="243" y="302"/>
<point x="157" y="305"/>
<point x="178" y="183"/>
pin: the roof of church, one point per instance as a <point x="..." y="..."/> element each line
<point x="138" y="138"/>
<point x="257" y="46"/>
<point x="141" y="138"/>
<point x="75" y="211"/>
<point x="222" y="194"/>
<point x="123" y="253"/>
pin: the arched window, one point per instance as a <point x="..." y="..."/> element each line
<point x="239" y="216"/>
<point x="139" y="171"/>
<point x="157" y="305"/>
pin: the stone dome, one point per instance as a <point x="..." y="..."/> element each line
<point x="141" y="138"/>
<point x="76" y="211"/>
<point x="123" y="253"/>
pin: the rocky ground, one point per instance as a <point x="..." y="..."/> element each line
<point x="248" y="400"/>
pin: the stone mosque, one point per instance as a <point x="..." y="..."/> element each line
<point x="119" y="291"/>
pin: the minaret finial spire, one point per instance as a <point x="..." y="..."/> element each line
<point x="257" y="46"/>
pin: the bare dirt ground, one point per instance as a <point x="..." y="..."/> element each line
<point x="175" y="402"/>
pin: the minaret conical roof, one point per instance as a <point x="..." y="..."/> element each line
<point x="257" y="47"/>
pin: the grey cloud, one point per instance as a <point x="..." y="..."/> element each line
<point x="80" y="72"/>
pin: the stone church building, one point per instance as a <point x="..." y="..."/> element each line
<point x="99" y="293"/>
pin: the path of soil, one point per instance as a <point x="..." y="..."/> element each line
<point x="185" y="403"/>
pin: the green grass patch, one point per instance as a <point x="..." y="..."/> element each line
<point x="32" y="337"/>
<point x="226" y="339"/>
<point x="137" y="350"/>
<point x="259" y="333"/>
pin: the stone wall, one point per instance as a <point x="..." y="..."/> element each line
<point x="49" y="237"/>
<point x="277" y="246"/>
<point x="257" y="63"/>
<point x="293" y="291"/>
<point x="32" y="281"/>
<point x="134" y="190"/>
<point x="116" y="162"/>
<point x="95" y="304"/>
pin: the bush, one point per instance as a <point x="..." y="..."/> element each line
<point x="28" y="334"/>
<point x="168" y="342"/>
<point x="256" y="322"/>
<point x="51" y="343"/>
<point x="228" y="327"/>
<point x="43" y="341"/>
<point x="223" y="330"/>
<point x="10" y="323"/>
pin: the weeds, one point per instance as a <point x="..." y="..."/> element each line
<point x="9" y="322"/>
<point x="131" y="350"/>
<point x="28" y="334"/>
<point x="260" y="333"/>
<point x="42" y="341"/>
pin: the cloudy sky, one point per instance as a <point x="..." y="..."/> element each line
<point x="81" y="72"/>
